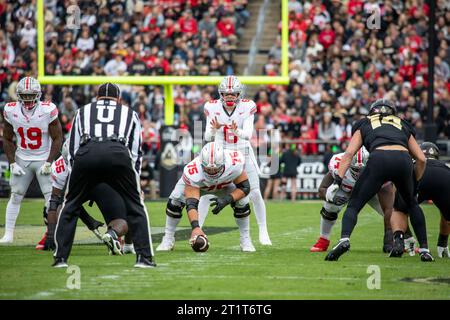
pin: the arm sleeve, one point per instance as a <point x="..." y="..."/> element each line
<point x="247" y="128"/>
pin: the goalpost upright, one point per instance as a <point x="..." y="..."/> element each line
<point x="166" y="81"/>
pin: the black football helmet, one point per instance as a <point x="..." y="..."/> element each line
<point x="430" y="150"/>
<point x="384" y="107"/>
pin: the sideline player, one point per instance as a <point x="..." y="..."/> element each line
<point x="216" y="171"/>
<point x="230" y="123"/>
<point x="382" y="202"/>
<point x="434" y="186"/>
<point x="39" y="137"/>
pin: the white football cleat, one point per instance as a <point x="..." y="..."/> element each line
<point x="6" y="239"/>
<point x="167" y="244"/>
<point x="264" y="238"/>
<point x="247" y="245"/>
<point x="443" y="252"/>
<point x="128" y="249"/>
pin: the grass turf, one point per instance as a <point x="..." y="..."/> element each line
<point x="286" y="270"/>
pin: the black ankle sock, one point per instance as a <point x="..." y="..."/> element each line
<point x="442" y="240"/>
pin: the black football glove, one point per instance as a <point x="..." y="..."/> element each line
<point x="219" y="203"/>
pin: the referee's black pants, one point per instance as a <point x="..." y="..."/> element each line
<point x="103" y="162"/>
<point x="383" y="166"/>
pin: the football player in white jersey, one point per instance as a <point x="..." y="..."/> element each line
<point x="215" y="171"/>
<point x="39" y="137"/>
<point x="230" y="122"/>
<point x="382" y="203"/>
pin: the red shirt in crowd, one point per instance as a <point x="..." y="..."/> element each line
<point x="354" y="6"/>
<point x="226" y="27"/>
<point x="326" y="38"/>
<point x="188" y="25"/>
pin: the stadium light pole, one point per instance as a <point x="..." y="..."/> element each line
<point x="430" y="126"/>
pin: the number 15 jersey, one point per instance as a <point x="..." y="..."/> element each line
<point x="31" y="129"/>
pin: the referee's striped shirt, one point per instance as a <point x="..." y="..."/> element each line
<point x="105" y="118"/>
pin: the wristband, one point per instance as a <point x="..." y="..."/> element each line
<point x="195" y="224"/>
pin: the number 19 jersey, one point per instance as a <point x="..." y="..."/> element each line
<point x="31" y="129"/>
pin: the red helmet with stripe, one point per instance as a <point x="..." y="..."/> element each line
<point x="359" y="161"/>
<point x="213" y="160"/>
<point x="28" y="92"/>
<point x="230" y="91"/>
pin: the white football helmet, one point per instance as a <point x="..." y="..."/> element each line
<point x="65" y="150"/>
<point x="213" y="160"/>
<point x="231" y="91"/>
<point x="359" y="161"/>
<point x="28" y="92"/>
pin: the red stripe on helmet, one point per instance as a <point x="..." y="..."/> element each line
<point x="211" y="155"/>
<point x="360" y="157"/>
<point x="229" y="83"/>
<point x="27" y="83"/>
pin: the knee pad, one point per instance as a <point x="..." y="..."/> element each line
<point x="241" y="212"/>
<point x="331" y="216"/>
<point x="16" y="198"/>
<point x="174" y="209"/>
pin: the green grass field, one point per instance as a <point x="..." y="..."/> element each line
<point x="287" y="270"/>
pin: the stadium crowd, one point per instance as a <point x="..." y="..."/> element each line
<point x="337" y="63"/>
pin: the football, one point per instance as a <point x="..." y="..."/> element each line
<point x="200" y="244"/>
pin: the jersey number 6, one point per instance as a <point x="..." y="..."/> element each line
<point x="34" y="135"/>
<point x="229" y="136"/>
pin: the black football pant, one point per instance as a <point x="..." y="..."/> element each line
<point x="383" y="166"/>
<point x="103" y="162"/>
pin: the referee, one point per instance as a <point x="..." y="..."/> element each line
<point x="105" y="147"/>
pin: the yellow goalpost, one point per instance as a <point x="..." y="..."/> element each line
<point x="166" y="81"/>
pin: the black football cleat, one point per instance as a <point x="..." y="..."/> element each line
<point x="144" y="262"/>
<point x="425" y="255"/>
<point x="342" y="247"/>
<point x="398" y="247"/>
<point x="60" y="263"/>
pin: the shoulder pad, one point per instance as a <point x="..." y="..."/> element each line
<point x="10" y="104"/>
<point x="334" y="163"/>
<point x="192" y="173"/>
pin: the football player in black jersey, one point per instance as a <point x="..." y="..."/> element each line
<point x="391" y="143"/>
<point x="435" y="186"/>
